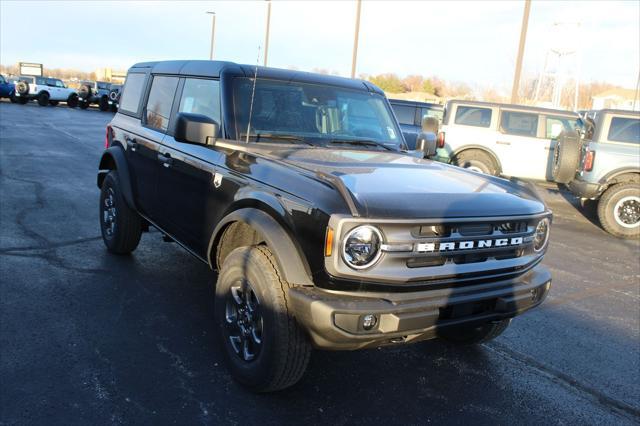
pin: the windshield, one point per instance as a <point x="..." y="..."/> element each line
<point x="313" y="113"/>
<point x="103" y="86"/>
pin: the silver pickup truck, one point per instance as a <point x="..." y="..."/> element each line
<point x="605" y="166"/>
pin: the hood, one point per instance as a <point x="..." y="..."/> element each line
<point x="394" y="185"/>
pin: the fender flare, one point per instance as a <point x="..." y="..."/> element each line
<point x="113" y="159"/>
<point x="290" y="259"/>
<point x="480" y="148"/>
<point x="618" y="172"/>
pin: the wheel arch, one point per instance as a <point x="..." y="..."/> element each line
<point x="492" y="154"/>
<point x="113" y="159"/>
<point x="623" y="175"/>
<point x="272" y="229"/>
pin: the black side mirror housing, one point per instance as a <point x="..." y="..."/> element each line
<point x="196" y="129"/>
<point x="426" y="144"/>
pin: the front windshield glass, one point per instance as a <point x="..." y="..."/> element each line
<point x="103" y="86"/>
<point x="312" y="113"/>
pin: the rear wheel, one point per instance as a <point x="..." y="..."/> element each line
<point x="83" y="104"/>
<point x="72" y="101"/>
<point x="619" y="210"/>
<point x="264" y="346"/>
<point x="13" y="98"/>
<point x="104" y="104"/>
<point x="53" y="103"/>
<point x="121" y="226"/>
<point x="43" y="99"/>
<point x="475" y="335"/>
<point x="22" y="100"/>
<point x="477" y="161"/>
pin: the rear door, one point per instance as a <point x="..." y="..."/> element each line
<point x="140" y="143"/>
<point x="407" y="116"/>
<point x="524" y="154"/>
<point x="186" y="183"/>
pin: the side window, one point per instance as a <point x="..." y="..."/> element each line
<point x="473" y="116"/>
<point x="59" y="83"/>
<point x="519" y="123"/>
<point x="555" y="125"/>
<point x="624" y="130"/>
<point x="429" y="112"/>
<point x="133" y="88"/>
<point x="405" y="114"/>
<point x="201" y="96"/>
<point x="2" y="80"/>
<point x="41" y="81"/>
<point x="163" y="89"/>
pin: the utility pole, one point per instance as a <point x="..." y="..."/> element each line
<point x="213" y="33"/>
<point x="523" y="38"/>
<point x="355" y="41"/>
<point x="266" y="36"/>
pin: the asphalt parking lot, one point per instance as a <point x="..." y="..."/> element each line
<point x="91" y="338"/>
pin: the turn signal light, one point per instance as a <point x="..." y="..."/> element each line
<point x="328" y="242"/>
<point x="440" y="140"/>
<point x="589" y="157"/>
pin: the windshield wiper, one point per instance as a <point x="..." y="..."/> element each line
<point x="276" y="136"/>
<point x="366" y="142"/>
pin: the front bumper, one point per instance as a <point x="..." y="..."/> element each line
<point x="334" y="318"/>
<point x="584" y="189"/>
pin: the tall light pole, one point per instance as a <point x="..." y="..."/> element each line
<point x="523" y="38"/>
<point x="213" y="33"/>
<point x="266" y="35"/>
<point x="355" y="41"/>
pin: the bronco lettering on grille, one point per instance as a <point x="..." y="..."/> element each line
<point x="468" y="244"/>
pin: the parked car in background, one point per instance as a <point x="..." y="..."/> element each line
<point x="605" y="166"/>
<point x="47" y="91"/>
<point x="503" y="139"/>
<point x="94" y="92"/>
<point x="7" y="89"/>
<point x="114" y="96"/>
<point x="410" y="115"/>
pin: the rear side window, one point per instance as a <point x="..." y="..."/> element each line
<point x="473" y="116"/>
<point x="429" y="112"/>
<point x="519" y="123"/>
<point x="134" y="86"/>
<point x="405" y="114"/>
<point x="163" y="89"/>
<point x="624" y="130"/>
<point x="201" y="97"/>
<point x="556" y="125"/>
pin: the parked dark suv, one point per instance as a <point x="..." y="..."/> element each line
<point x="324" y="232"/>
<point x="410" y="115"/>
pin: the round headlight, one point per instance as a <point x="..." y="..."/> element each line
<point x="541" y="235"/>
<point x="361" y="247"/>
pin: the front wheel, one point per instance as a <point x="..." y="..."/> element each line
<point x="619" y="210"/>
<point x="477" y="161"/>
<point x="43" y="99"/>
<point x="120" y="225"/>
<point x="475" y="335"/>
<point x="265" y="348"/>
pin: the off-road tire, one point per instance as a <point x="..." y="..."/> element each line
<point x="43" y="99"/>
<point x="113" y="108"/>
<point x="474" y="335"/>
<point x="607" y="204"/>
<point x="22" y="87"/>
<point x="285" y="349"/>
<point x="104" y="104"/>
<point x="22" y="101"/>
<point x="478" y="160"/>
<point x="83" y="104"/>
<point x="13" y="98"/>
<point x="53" y="103"/>
<point x="72" y="101"/>
<point x="128" y="224"/>
<point x="566" y="157"/>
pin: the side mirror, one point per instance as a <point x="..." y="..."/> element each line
<point x="196" y="129"/>
<point x="426" y="143"/>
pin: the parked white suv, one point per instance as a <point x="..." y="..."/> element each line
<point x="503" y="139"/>
<point x="47" y="91"/>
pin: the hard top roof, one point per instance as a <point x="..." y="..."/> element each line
<point x="416" y="103"/>
<point x="199" y="68"/>
<point x="514" y="106"/>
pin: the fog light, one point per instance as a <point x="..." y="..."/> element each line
<point x="369" y="321"/>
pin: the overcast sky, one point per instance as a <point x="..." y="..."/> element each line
<point x="473" y="42"/>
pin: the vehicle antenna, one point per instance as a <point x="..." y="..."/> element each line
<point x="253" y="93"/>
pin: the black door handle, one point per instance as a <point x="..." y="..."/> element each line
<point x="132" y="143"/>
<point x="165" y="159"/>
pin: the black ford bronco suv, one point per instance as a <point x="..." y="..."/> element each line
<point x="324" y="231"/>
